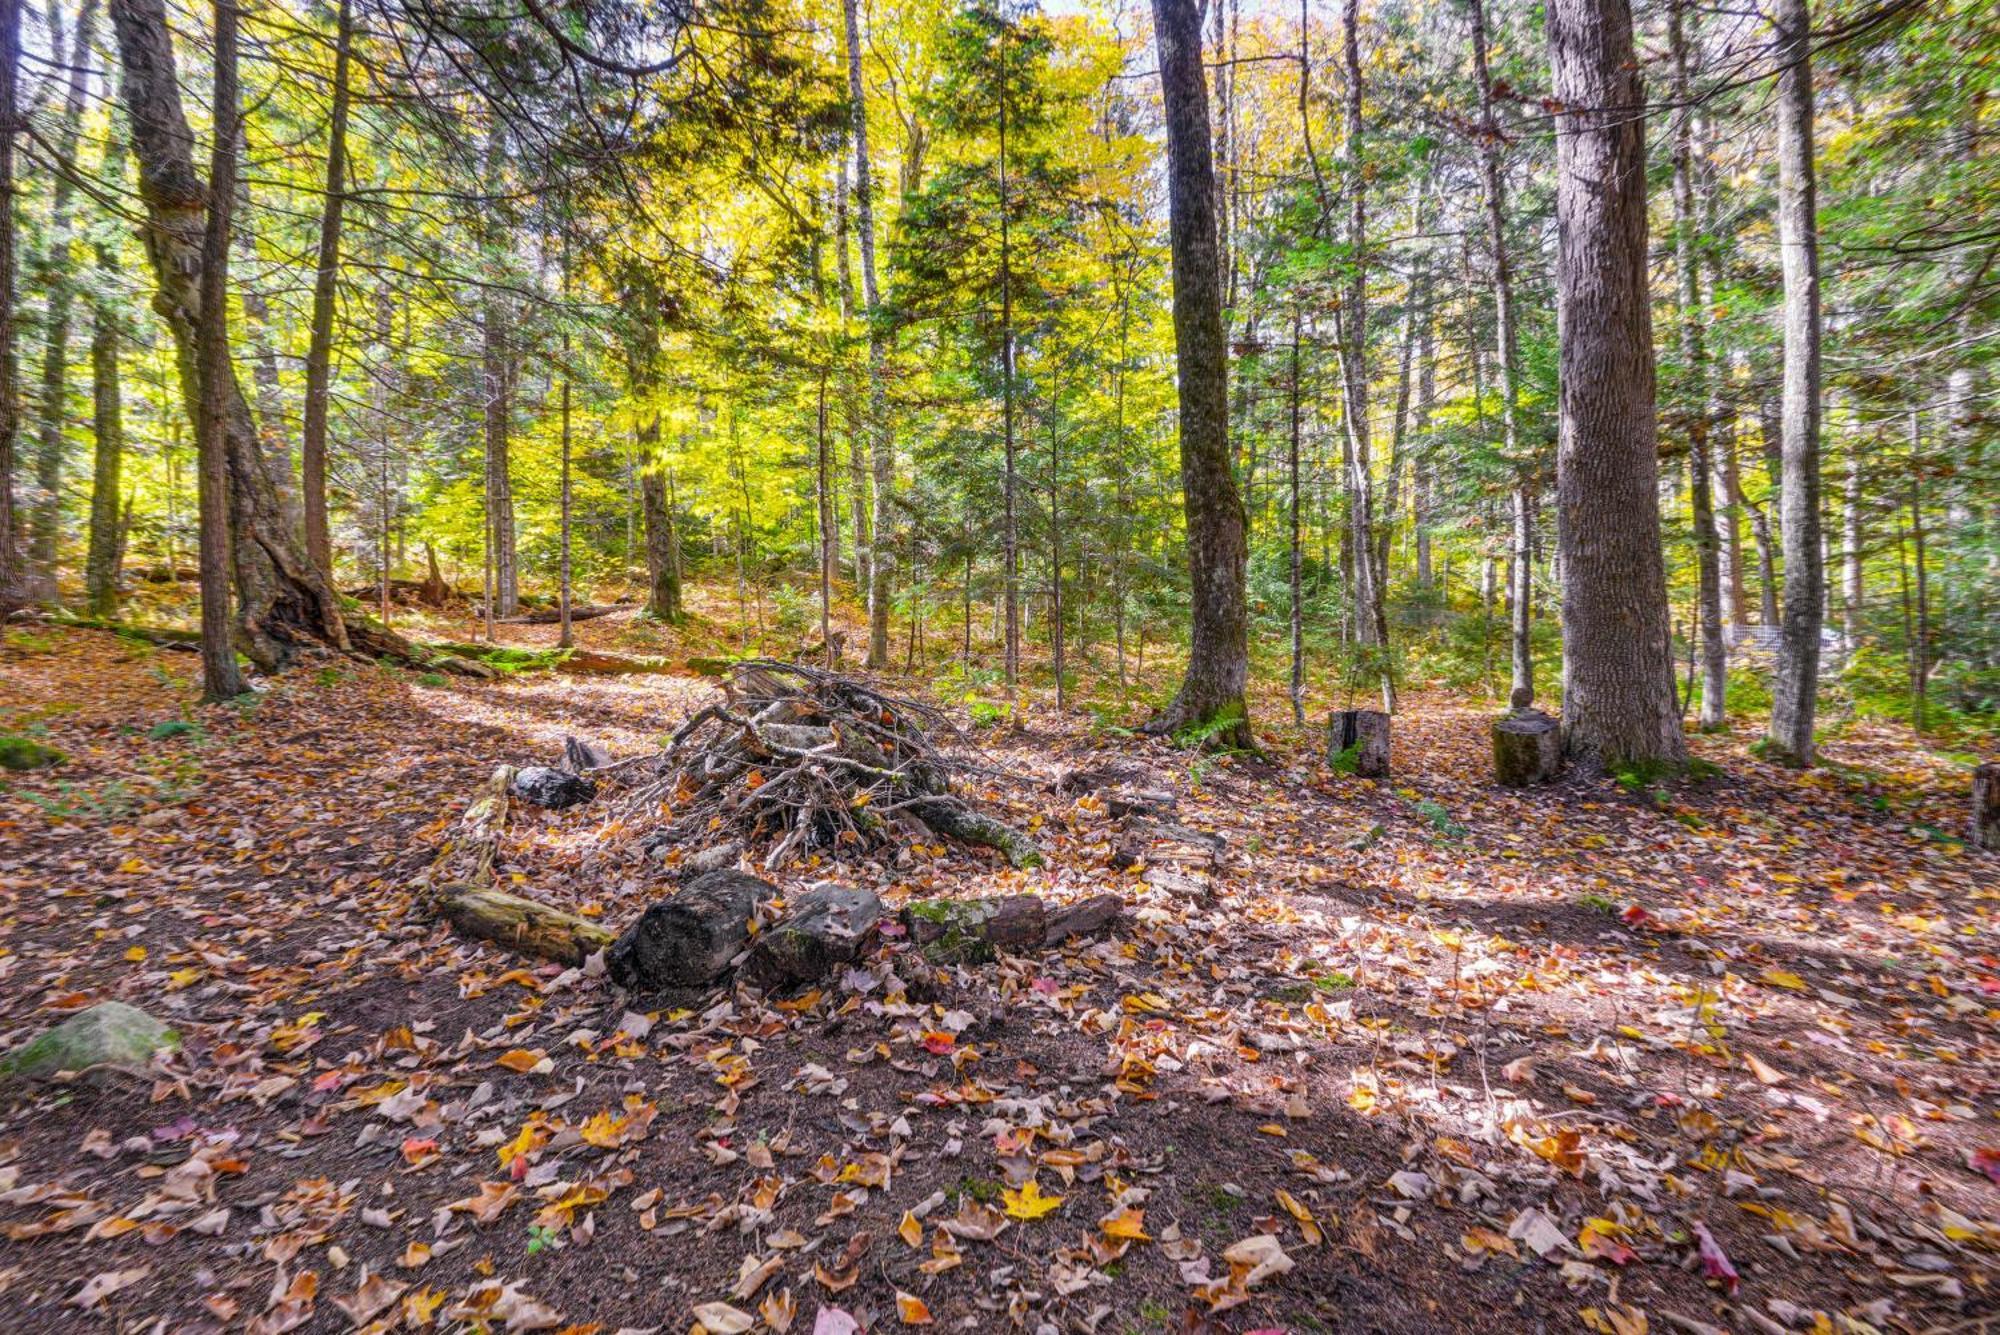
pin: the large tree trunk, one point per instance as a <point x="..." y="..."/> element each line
<point x="220" y="677"/>
<point x="1692" y="408"/>
<point x="882" y="451"/>
<point x="1795" y="688"/>
<point x="1618" y="698"/>
<point x="282" y="601"/>
<point x="1010" y="534"/>
<point x="1218" y="656"/>
<point x="10" y="405"/>
<point x="46" y="528"/>
<point x="319" y="349"/>
<point x="503" y="597"/>
<point x="1852" y="531"/>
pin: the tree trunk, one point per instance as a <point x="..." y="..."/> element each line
<point x="1010" y="538"/>
<point x="46" y="528"/>
<point x="1211" y="695"/>
<point x="282" y="601"/>
<point x="220" y="678"/>
<point x="1853" y="533"/>
<point x="883" y="444"/>
<point x="1520" y="575"/>
<point x="1692" y="408"/>
<point x="10" y="403"/>
<point x="1985" y="823"/>
<point x="107" y="417"/>
<point x="1795" y="687"/>
<point x="1295" y="574"/>
<point x="319" y="349"/>
<point x="1618" y="701"/>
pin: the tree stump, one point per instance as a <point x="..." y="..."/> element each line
<point x="692" y="939"/>
<point x="824" y="927"/>
<point x="1357" y="742"/>
<point x="1986" y="805"/>
<point x="1527" y="748"/>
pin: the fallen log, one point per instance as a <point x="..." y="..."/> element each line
<point x="823" y="928"/>
<point x="522" y="924"/>
<point x="974" y="931"/>
<point x="692" y="939"/>
<point x="949" y="815"/>
<point x="581" y="612"/>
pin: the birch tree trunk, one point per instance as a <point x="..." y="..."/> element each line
<point x="1211" y="694"/>
<point x="1795" y="688"/>
<point x="1618" y="702"/>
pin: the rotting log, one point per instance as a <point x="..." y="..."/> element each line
<point x="598" y="663"/>
<point x="1986" y="806"/>
<point x="822" y="928"/>
<point x="1357" y="742"/>
<point x="974" y="931"/>
<point x="949" y="815"/>
<point x="1527" y="749"/>
<point x="521" y="924"/>
<point x="692" y="939"/>
<point x="553" y="616"/>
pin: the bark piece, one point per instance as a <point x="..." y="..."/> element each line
<point x="555" y="789"/>
<point x="1527" y="748"/>
<point x="1084" y="918"/>
<point x="692" y="939"/>
<point x="522" y="924"/>
<point x="826" y="926"/>
<point x="1357" y="742"/>
<point x="1986" y="806"/>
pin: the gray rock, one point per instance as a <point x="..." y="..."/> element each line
<point x="110" y="1033"/>
<point x="552" y="788"/>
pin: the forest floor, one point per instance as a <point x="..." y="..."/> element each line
<point x="1423" y="1055"/>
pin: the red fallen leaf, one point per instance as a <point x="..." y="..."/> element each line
<point x="1984" y="1160"/>
<point x="1714" y="1261"/>
<point x="938" y="1042"/>
<point x="419" y="1150"/>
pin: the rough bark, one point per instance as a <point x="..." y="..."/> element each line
<point x="1795" y="685"/>
<point x="1694" y="397"/>
<point x="220" y="677"/>
<point x="1618" y="701"/>
<point x="46" y="526"/>
<point x="319" y="348"/>
<point x="107" y="530"/>
<point x="1985" y="824"/>
<point x="882" y="444"/>
<point x="1852" y="587"/>
<point x="1357" y="742"/>
<point x="282" y="602"/>
<point x="823" y="928"/>
<point x="1211" y="694"/>
<point x="974" y="931"/>
<point x="10" y="405"/>
<point x="1527" y="749"/>
<point x="692" y="939"/>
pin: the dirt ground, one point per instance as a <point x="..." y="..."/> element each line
<point x="1417" y="1055"/>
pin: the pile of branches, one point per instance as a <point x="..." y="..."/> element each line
<point x="795" y="758"/>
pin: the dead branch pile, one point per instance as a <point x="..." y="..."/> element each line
<point x="795" y="758"/>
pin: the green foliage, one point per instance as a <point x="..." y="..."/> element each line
<point x="1203" y="735"/>
<point x="167" y="729"/>
<point x="1597" y="903"/>
<point x="25" y="753"/>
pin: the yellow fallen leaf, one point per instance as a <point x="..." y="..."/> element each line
<point x="1126" y="1223"/>
<point x="1028" y="1202"/>
<point x="520" y="1060"/>
<point x="910" y="1231"/>
<point x="910" y="1309"/>
<point x="1784" y="978"/>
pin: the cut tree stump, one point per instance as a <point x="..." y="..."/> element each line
<point x="823" y="927"/>
<point x="1527" y="748"/>
<point x="1986" y="806"/>
<point x="692" y="939"/>
<point x="974" y="931"/>
<point x="522" y="924"/>
<point x="1357" y="742"/>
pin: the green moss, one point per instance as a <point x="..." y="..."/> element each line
<point x="25" y="753"/>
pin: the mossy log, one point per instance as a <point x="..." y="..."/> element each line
<point x="1527" y="749"/>
<point x="949" y="815"/>
<point x="823" y="928"/>
<point x="692" y="939"/>
<point x="522" y="924"/>
<point x="973" y="931"/>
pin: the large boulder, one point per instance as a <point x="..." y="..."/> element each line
<point x="552" y="788"/>
<point x="110" y="1033"/>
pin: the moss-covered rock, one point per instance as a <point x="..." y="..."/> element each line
<point x="110" y="1033"/>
